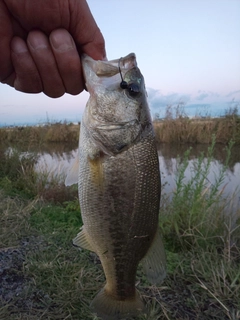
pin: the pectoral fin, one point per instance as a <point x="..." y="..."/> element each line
<point x="82" y="240"/>
<point x="72" y="176"/>
<point x="154" y="263"/>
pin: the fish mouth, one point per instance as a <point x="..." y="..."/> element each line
<point x="118" y="125"/>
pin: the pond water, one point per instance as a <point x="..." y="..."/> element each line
<point x="58" y="158"/>
<point x="171" y="158"/>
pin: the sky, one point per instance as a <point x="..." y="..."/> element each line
<point x="188" y="52"/>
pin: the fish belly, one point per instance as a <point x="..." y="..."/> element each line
<point x="119" y="199"/>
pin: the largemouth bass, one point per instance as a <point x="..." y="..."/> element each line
<point x="119" y="184"/>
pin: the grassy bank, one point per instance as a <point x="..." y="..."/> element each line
<point x="177" y="128"/>
<point x="43" y="277"/>
<point x="18" y="177"/>
<point x="51" y="132"/>
<point x="174" y="128"/>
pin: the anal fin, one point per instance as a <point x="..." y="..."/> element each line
<point x="154" y="263"/>
<point x="82" y="240"/>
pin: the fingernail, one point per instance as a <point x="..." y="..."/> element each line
<point x="18" y="46"/>
<point x="62" y="41"/>
<point x="37" y="42"/>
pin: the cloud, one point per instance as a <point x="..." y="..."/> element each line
<point x="206" y="94"/>
<point x="204" y="103"/>
<point x="202" y="96"/>
<point x="158" y="100"/>
<point x="233" y="93"/>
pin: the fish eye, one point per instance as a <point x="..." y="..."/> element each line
<point x="133" y="89"/>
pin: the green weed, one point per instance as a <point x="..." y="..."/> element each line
<point x="18" y="176"/>
<point x="195" y="215"/>
<point x="43" y="276"/>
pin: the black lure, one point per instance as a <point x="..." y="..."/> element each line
<point x="133" y="88"/>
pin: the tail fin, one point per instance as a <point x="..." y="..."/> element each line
<point x="108" y="308"/>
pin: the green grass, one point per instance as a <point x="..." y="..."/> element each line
<point x="18" y="177"/>
<point x="44" y="277"/>
<point x="197" y="207"/>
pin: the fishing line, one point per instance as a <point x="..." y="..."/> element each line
<point x="133" y="88"/>
<point x="123" y="83"/>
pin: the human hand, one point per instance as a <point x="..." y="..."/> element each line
<point x="41" y="43"/>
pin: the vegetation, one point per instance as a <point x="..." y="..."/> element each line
<point x="18" y="177"/>
<point x="176" y="127"/>
<point x="50" y="132"/>
<point x="43" y="277"/>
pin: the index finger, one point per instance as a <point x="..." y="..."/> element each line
<point x="5" y="38"/>
<point x="84" y="29"/>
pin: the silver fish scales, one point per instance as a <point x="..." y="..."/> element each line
<point x="119" y="184"/>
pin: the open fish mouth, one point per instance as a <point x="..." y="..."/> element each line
<point x="119" y="184"/>
<point x="118" y="125"/>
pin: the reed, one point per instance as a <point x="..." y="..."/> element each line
<point x="18" y="176"/>
<point x="176" y="127"/>
<point x="44" y="277"/>
<point x="198" y="213"/>
<point x="51" y="132"/>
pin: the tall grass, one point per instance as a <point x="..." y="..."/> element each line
<point x="18" y="176"/>
<point x="44" y="277"/>
<point x="200" y="224"/>
<point x="51" y="132"/>
<point x="176" y="127"/>
<point x="198" y="213"/>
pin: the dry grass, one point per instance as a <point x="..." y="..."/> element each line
<point x="43" y="277"/>
<point x="175" y="128"/>
<point x="56" y="132"/>
<point x="183" y="130"/>
<point x="18" y="176"/>
<point x="178" y="128"/>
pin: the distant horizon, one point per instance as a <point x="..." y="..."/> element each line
<point x="188" y="52"/>
<point x="191" y="111"/>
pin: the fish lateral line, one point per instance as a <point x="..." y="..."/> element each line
<point x="118" y="176"/>
<point x="143" y="236"/>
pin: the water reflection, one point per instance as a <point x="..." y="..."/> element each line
<point x="61" y="158"/>
<point x="170" y="156"/>
<point x="56" y="163"/>
<point x="57" y="158"/>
